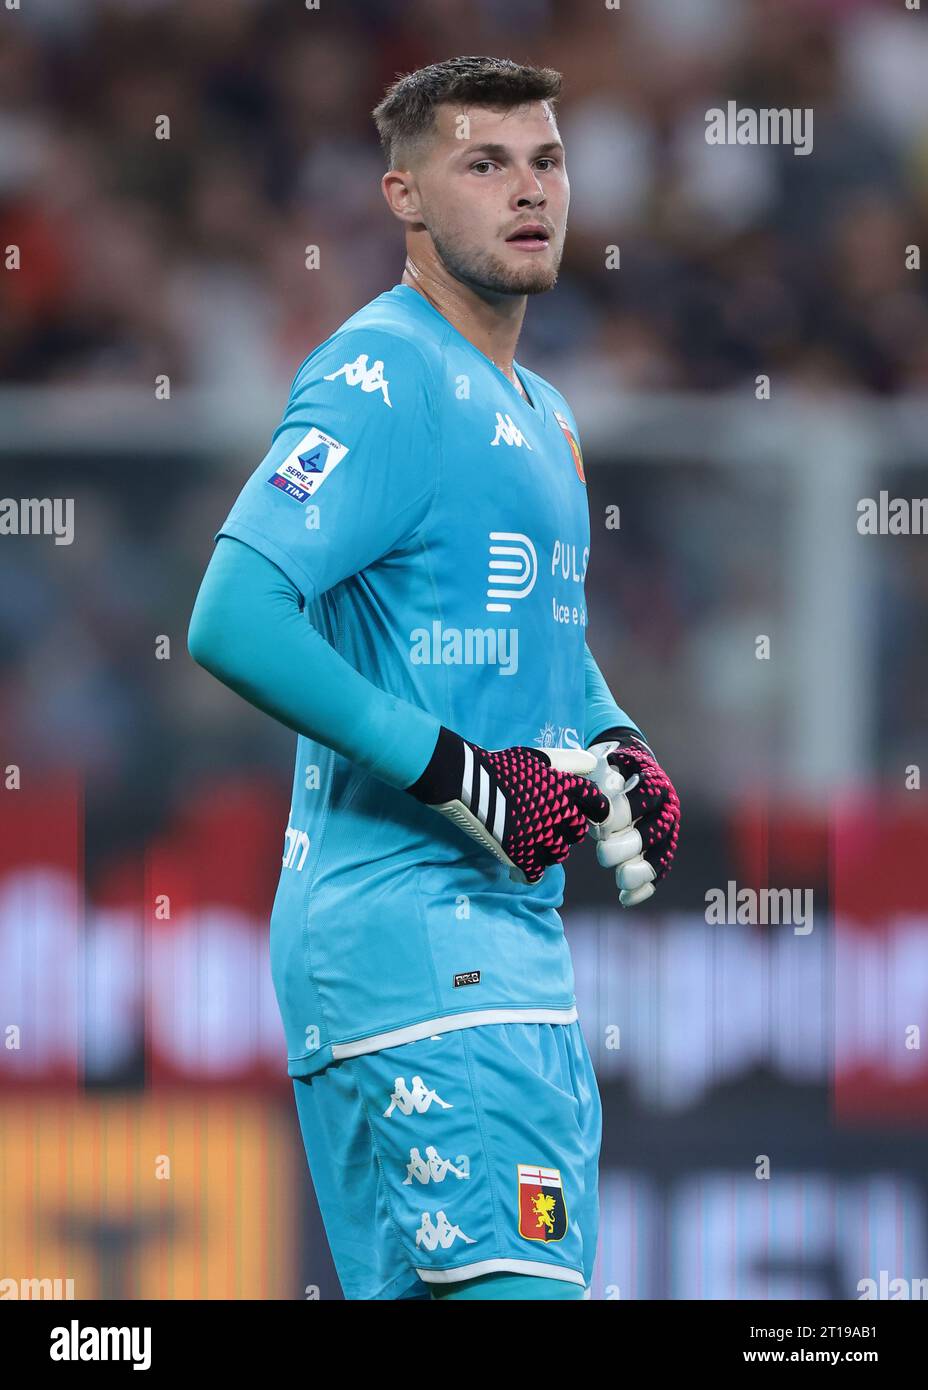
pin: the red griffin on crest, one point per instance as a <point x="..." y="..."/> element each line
<point x="542" y="1209"/>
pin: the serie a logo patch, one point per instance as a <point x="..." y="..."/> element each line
<point x="306" y="467"/>
<point x="542" y="1208"/>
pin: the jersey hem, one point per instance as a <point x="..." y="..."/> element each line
<point x="414" y="1032"/>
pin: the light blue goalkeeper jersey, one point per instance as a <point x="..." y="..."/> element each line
<point x="436" y="524"/>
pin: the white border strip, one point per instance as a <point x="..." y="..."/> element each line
<point x="450" y="1023"/>
<point x="546" y="1271"/>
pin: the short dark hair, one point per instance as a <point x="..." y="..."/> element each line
<point x="407" y="112"/>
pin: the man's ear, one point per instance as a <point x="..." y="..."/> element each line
<point x="399" y="189"/>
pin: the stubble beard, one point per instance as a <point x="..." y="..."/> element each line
<point x="483" y="270"/>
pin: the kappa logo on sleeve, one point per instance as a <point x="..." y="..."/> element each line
<point x="542" y="1209"/>
<point x="369" y="378"/>
<point x="306" y="467"/>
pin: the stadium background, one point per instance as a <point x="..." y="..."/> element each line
<point x="140" y="1036"/>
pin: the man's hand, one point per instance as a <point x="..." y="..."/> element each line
<point x="639" y="838"/>
<point x="527" y="806"/>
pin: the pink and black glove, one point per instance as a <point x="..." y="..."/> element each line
<point x="527" y="806"/>
<point x="639" y="838"/>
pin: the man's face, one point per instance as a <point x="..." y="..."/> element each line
<point x="484" y="175"/>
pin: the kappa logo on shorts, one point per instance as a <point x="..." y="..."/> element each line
<point x="542" y="1208"/>
<point x="439" y="1232"/>
<point x="306" y="467"/>
<point x="418" y="1099"/>
<point x="434" y="1168"/>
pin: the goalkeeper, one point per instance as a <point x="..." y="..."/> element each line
<point x="400" y="582"/>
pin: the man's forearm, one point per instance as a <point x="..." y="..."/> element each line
<point x="602" y="712"/>
<point x="248" y="630"/>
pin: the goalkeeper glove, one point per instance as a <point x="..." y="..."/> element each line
<point x="639" y="838"/>
<point x="527" y="806"/>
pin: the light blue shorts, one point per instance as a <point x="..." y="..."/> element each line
<point x="457" y="1155"/>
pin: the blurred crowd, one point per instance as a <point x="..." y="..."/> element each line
<point x="186" y="255"/>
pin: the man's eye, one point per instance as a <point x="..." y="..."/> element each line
<point x="482" y="163"/>
<point x="546" y="159"/>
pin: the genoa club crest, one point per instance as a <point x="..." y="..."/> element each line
<point x="542" y="1209"/>
<point x="572" y="441"/>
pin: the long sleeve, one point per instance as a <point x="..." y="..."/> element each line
<point x="602" y="712"/>
<point x="249" y="629"/>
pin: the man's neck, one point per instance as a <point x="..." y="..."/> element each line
<point x="492" y="327"/>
